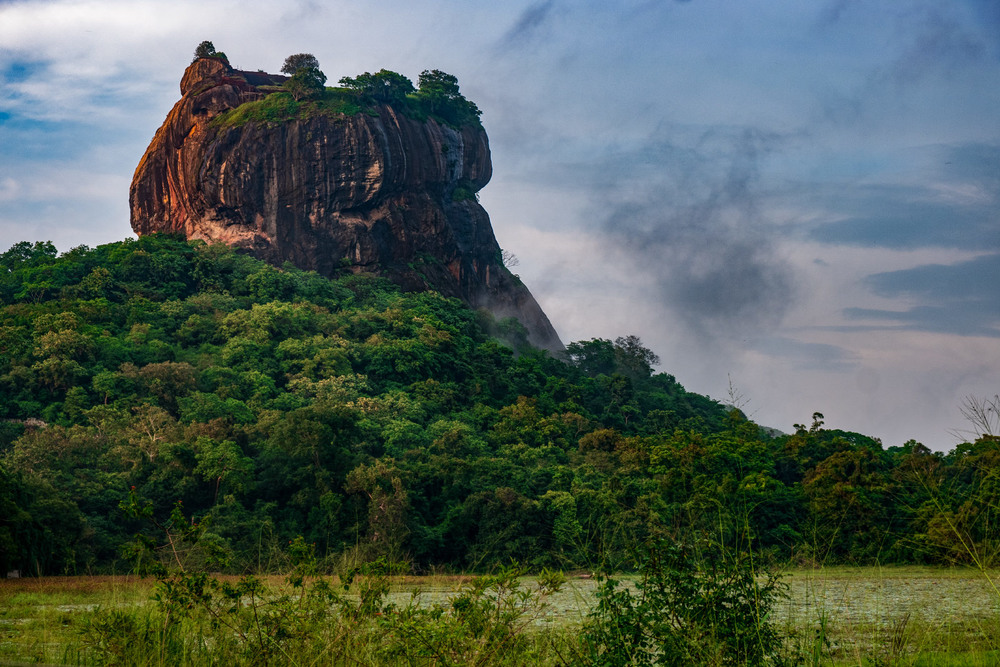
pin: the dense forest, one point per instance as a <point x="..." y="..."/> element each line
<point x="271" y="403"/>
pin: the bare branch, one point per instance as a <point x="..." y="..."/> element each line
<point x="982" y="415"/>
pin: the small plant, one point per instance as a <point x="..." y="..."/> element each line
<point x="464" y="191"/>
<point x="127" y="638"/>
<point x="484" y="624"/>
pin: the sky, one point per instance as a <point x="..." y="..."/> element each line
<point x="795" y="202"/>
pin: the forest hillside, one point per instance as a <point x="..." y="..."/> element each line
<point x="271" y="403"/>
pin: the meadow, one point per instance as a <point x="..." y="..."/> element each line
<point x="908" y="615"/>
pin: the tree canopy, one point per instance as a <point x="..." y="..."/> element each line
<point x="436" y="95"/>
<point x="383" y="86"/>
<point x="307" y="82"/>
<point x="384" y="424"/>
<point x="297" y="61"/>
<point x="439" y="94"/>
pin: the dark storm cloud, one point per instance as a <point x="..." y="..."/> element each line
<point x="959" y="299"/>
<point x="686" y="214"/>
<point x="526" y="25"/>
<point x="896" y="220"/>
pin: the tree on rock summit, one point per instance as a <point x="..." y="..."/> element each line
<point x="294" y="63"/>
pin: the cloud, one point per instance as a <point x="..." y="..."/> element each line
<point x="685" y="211"/>
<point x="938" y="43"/>
<point x="901" y="218"/>
<point x="9" y="189"/>
<point x="959" y="299"/>
<point x="526" y="26"/>
<point x="954" y="205"/>
<point x="906" y="58"/>
<point x="805" y="355"/>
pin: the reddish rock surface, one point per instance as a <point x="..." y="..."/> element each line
<point x="372" y="191"/>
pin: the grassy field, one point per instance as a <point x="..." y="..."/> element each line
<point x="897" y="615"/>
<point x="833" y="616"/>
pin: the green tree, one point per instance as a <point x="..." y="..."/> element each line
<point x="439" y="95"/>
<point x="204" y="50"/>
<point x="383" y="86"/>
<point x="633" y="358"/>
<point x="207" y="50"/>
<point x="295" y="62"/>
<point x="222" y="462"/>
<point x="307" y="82"/>
<point x="27" y="254"/>
<point x="388" y="504"/>
<point x="850" y="509"/>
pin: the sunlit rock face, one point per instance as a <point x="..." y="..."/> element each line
<point x="372" y="192"/>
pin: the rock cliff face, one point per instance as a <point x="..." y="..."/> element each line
<point x="371" y="191"/>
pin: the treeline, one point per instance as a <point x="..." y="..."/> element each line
<point x="275" y="403"/>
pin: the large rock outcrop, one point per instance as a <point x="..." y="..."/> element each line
<point x="371" y="191"/>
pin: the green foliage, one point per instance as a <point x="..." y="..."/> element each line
<point x="297" y="61"/>
<point x="306" y="83"/>
<point x="305" y="97"/>
<point x="626" y="356"/>
<point x="384" y="86"/>
<point x="248" y="621"/>
<point x="203" y="619"/>
<point x="487" y="623"/>
<point x="704" y="606"/>
<point x="207" y="50"/>
<point x="282" y="107"/>
<point x="403" y="426"/>
<point x="438" y="95"/>
<point x="121" y="637"/>
<point x="465" y="191"/>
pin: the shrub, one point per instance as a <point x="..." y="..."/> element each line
<point x="689" y="608"/>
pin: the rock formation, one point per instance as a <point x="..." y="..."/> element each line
<point x="374" y="191"/>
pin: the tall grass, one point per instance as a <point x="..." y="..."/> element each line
<point x="836" y="616"/>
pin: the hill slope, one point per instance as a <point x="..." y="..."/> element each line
<point x="273" y="403"/>
<point x="282" y="400"/>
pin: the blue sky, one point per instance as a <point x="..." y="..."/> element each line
<point x="799" y="198"/>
